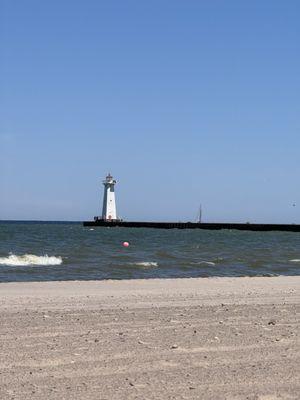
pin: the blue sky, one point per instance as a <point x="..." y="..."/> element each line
<point x="182" y="101"/>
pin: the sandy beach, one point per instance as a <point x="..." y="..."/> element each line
<point x="209" y="338"/>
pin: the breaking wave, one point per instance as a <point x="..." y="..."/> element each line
<point x="30" y="259"/>
<point x="146" y="264"/>
<point x="295" y="260"/>
<point x="203" y="263"/>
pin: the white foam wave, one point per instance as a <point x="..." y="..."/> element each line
<point x="30" y="259"/>
<point x="295" y="260"/>
<point x="146" y="264"/>
<point x="205" y="263"/>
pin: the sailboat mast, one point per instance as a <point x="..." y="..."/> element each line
<point x="199" y="216"/>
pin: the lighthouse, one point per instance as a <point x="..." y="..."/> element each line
<point x="109" y="211"/>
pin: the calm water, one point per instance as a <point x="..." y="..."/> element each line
<point x="68" y="251"/>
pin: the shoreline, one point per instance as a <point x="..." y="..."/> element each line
<point x="149" y="292"/>
<point x="151" y="284"/>
<point x="186" y="338"/>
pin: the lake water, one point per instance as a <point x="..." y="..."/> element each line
<point x="69" y="251"/>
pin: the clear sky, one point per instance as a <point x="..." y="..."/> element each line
<point x="182" y="101"/>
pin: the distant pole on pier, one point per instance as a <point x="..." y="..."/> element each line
<point x="109" y="210"/>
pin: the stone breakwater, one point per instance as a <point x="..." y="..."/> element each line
<point x="196" y="225"/>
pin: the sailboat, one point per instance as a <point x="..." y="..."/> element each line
<point x="199" y="216"/>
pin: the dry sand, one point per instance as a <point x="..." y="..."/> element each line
<point x="217" y="338"/>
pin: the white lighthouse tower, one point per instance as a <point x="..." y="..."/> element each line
<point x="109" y="211"/>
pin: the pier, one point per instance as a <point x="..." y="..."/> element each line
<point x="195" y="225"/>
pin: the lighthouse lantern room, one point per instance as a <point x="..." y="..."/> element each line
<point x="109" y="211"/>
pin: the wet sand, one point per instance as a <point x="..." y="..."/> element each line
<point x="215" y="338"/>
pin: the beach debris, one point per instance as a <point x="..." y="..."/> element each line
<point x="272" y="322"/>
<point x="174" y="346"/>
<point x="129" y="382"/>
<point x="125" y="244"/>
